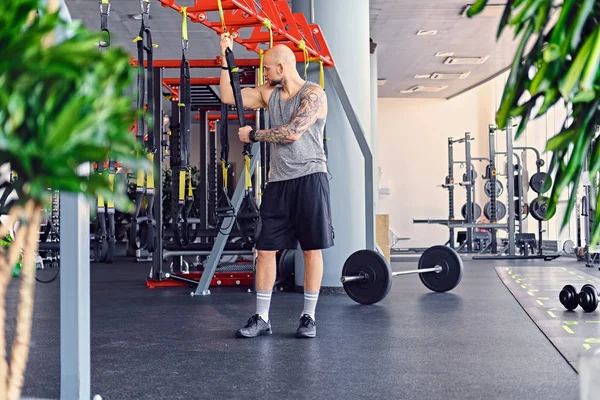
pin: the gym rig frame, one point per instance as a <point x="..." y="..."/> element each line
<point x="470" y="208"/>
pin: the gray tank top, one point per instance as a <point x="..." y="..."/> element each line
<point x="302" y="157"/>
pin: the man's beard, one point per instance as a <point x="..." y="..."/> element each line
<point x="273" y="83"/>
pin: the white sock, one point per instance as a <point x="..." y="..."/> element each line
<point x="310" y="303"/>
<point x="263" y="302"/>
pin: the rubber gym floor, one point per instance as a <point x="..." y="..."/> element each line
<point x="476" y="342"/>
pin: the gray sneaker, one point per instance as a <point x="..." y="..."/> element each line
<point x="307" y="328"/>
<point x="255" y="326"/>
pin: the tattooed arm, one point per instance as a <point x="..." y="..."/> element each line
<point x="312" y="107"/>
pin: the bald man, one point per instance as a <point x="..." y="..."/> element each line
<point x="295" y="206"/>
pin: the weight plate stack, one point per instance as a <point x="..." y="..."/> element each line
<point x="500" y="210"/>
<point x="539" y="209"/>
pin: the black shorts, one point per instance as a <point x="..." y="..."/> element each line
<point x="296" y="210"/>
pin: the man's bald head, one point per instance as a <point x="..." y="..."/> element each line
<point x="281" y="54"/>
<point x="280" y="65"/>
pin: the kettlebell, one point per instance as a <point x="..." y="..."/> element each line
<point x="568" y="297"/>
<point x="588" y="298"/>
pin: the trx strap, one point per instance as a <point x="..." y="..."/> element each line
<point x="104" y="243"/>
<point x="224" y="207"/>
<point x="104" y="12"/>
<point x="142" y="232"/>
<point x="182" y="231"/>
<point x="248" y="217"/>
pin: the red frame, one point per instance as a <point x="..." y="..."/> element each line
<point x="240" y="14"/>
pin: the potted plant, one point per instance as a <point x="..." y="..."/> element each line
<point x="556" y="61"/>
<point x="63" y="104"/>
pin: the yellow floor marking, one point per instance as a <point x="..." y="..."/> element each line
<point x="592" y="322"/>
<point x="524" y="286"/>
<point x="530" y="293"/>
<point x="551" y="314"/>
<point x="572" y="273"/>
<point x="540" y="303"/>
<point x="571" y="322"/>
<point x="587" y="346"/>
<point x="592" y="340"/>
<point x="544" y="298"/>
<point x="590" y="281"/>
<point x="568" y="329"/>
<point x="580" y="277"/>
<point x="564" y="268"/>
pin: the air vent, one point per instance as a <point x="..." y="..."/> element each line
<point x="427" y="32"/>
<point x="427" y="76"/>
<point x="424" y="89"/>
<point x="466" y="60"/>
<point x="438" y="75"/>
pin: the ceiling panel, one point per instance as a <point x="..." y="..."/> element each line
<point x="394" y="23"/>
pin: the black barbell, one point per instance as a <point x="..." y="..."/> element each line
<point x="367" y="275"/>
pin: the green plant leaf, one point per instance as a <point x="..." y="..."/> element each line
<point x="476" y="8"/>
<point x="567" y="84"/>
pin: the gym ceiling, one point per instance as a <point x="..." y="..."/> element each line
<point x="410" y="65"/>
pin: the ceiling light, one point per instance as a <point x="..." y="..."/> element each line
<point x="381" y="82"/>
<point x="424" y="89"/>
<point x="466" y="60"/>
<point x="444" y="54"/>
<point x="490" y="10"/>
<point x="439" y="75"/>
<point x="422" y="76"/>
<point x="429" y="32"/>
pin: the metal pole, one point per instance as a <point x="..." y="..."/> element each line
<point x="451" y="188"/>
<point x="226" y="227"/>
<point x="359" y="134"/>
<point x="492" y="178"/>
<point x="511" y="188"/>
<point x="470" y="185"/>
<point x="157" y="264"/>
<point x="75" y="370"/>
<point x="205" y="164"/>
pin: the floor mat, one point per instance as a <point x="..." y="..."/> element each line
<point x="537" y="289"/>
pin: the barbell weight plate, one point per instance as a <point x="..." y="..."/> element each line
<point x="476" y="211"/>
<point x="538" y="209"/>
<point x="286" y="267"/>
<point x="569" y="246"/>
<point x="379" y="282"/>
<point x="450" y="275"/>
<point x="500" y="210"/>
<point x="540" y="182"/>
<point x="487" y="188"/>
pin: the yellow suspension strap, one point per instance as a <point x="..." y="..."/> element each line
<point x="139" y="239"/>
<point x="224" y="207"/>
<point x="302" y="46"/>
<point x="267" y="24"/>
<point x="322" y="83"/>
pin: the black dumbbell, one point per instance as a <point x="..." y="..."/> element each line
<point x="588" y="298"/>
<point x="568" y="297"/>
